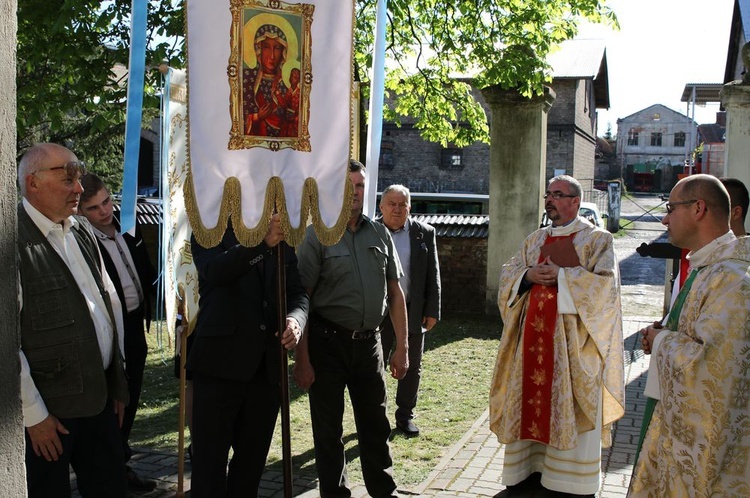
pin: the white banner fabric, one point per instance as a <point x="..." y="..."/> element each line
<point x="181" y="277"/>
<point x="244" y="122"/>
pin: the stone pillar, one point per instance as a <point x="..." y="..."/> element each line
<point x="12" y="470"/>
<point x="735" y="97"/>
<point x="518" y="157"/>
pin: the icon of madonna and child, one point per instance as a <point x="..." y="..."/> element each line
<point x="271" y="86"/>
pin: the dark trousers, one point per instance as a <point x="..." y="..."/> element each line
<point x="94" y="451"/>
<point x="135" y="363"/>
<point x="237" y="414"/>
<point x="408" y="387"/>
<point x="357" y="364"/>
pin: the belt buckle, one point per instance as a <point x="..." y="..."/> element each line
<point x="359" y="335"/>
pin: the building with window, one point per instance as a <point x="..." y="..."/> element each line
<point x="653" y="146"/>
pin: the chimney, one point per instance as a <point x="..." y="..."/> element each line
<point x="721" y="118"/>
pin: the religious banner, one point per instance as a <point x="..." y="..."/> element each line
<point x="270" y="85"/>
<point x="180" y="274"/>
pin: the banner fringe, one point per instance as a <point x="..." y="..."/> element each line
<point x="275" y="202"/>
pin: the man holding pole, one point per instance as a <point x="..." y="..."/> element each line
<point x="234" y="360"/>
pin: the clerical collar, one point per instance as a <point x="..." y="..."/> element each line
<point x="564" y="224"/>
<point x="576" y="225"/>
<point x="698" y="258"/>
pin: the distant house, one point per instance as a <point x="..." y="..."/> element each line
<point x="580" y="83"/>
<point x="652" y="146"/>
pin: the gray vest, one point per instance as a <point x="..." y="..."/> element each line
<point x="58" y="336"/>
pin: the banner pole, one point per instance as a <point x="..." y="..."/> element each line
<point x="181" y="416"/>
<point x="286" y="442"/>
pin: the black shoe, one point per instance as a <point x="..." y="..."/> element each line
<point x="137" y="483"/>
<point x="408" y="427"/>
<point x="528" y="488"/>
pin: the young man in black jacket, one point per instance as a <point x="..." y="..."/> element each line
<point x="129" y="267"/>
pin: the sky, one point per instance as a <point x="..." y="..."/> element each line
<point x="661" y="46"/>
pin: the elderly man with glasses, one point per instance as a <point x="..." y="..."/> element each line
<point x="559" y="381"/>
<point x="73" y="385"/>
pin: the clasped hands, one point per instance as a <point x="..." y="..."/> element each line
<point x="648" y="334"/>
<point x="544" y="273"/>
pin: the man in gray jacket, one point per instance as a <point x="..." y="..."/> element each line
<point x="415" y="243"/>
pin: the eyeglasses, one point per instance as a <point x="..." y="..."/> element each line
<point x="672" y="205"/>
<point x="71" y="169"/>
<point x="557" y="195"/>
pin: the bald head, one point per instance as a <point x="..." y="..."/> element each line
<point x="709" y="189"/>
<point x="38" y="157"/>
<point x="49" y="179"/>
<point x="697" y="212"/>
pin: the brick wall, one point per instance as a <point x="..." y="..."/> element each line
<point x="417" y="164"/>
<point x="463" y="274"/>
<point x="563" y="109"/>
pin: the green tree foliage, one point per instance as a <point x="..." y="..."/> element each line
<point x="67" y="49"/>
<point x="72" y="60"/>
<point x="484" y="42"/>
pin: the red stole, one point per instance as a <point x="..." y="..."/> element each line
<point x="539" y="359"/>
<point x="684" y="267"/>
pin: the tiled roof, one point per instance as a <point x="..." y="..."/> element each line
<point x="446" y="225"/>
<point x="146" y="212"/>
<point x="457" y="225"/>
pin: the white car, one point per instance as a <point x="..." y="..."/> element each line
<point x="590" y="211"/>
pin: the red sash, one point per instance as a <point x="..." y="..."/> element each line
<point x="539" y="359"/>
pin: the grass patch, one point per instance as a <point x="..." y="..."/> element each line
<point x="456" y="372"/>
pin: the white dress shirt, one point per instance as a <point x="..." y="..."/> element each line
<point x="120" y="253"/>
<point x="65" y="244"/>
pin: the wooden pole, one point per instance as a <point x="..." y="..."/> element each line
<point x="284" y="373"/>
<point x="181" y="415"/>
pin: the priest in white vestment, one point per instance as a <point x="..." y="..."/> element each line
<point x="698" y="441"/>
<point x="559" y="378"/>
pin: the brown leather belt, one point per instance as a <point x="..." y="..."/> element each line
<point x="323" y="327"/>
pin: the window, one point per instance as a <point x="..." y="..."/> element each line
<point x="451" y="158"/>
<point x="386" y="155"/>
<point x="656" y="140"/>
<point x="679" y="139"/>
<point x="632" y="138"/>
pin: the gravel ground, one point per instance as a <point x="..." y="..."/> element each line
<point x="642" y="278"/>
